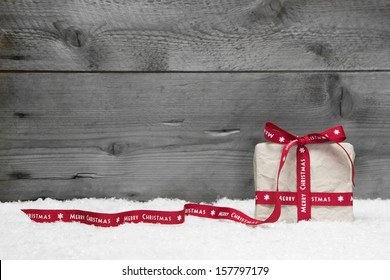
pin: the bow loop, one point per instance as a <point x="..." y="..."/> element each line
<point x="335" y="134"/>
<point x="275" y="134"/>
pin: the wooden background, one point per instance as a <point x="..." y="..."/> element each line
<point x="142" y="99"/>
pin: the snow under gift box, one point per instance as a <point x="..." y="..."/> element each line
<point x="311" y="177"/>
<point x="296" y="179"/>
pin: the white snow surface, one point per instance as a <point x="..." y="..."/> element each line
<point x="368" y="237"/>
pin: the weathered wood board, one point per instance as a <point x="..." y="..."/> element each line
<point x="83" y="113"/>
<point x="183" y="135"/>
<point x="217" y="35"/>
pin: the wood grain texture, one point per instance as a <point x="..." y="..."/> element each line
<point x="182" y="135"/>
<point x="186" y="35"/>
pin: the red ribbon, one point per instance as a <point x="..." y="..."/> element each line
<point x="317" y="199"/>
<point x="145" y="216"/>
<point x="302" y="198"/>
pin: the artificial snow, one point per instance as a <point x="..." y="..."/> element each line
<point x="368" y="237"/>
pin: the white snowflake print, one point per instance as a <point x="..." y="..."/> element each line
<point x="281" y="139"/>
<point x="212" y="212"/>
<point x="266" y="197"/>
<point x="340" y="198"/>
<point x="179" y="218"/>
<point x="60" y="216"/>
<point x="118" y="220"/>
<point x="284" y="159"/>
<point x="302" y="150"/>
<point x="336" y="131"/>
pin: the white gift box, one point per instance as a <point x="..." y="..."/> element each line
<point x="330" y="171"/>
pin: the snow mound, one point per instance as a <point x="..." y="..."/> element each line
<point x="20" y="238"/>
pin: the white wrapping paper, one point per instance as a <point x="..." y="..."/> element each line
<point x="330" y="171"/>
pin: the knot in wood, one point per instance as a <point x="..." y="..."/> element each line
<point x="115" y="149"/>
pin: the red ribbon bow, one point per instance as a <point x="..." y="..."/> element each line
<point x="275" y="134"/>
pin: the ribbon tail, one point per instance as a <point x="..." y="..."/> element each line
<point x="148" y="216"/>
<point x="303" y="184"/>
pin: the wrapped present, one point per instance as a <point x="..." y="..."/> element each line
<point x="308" y="178"/>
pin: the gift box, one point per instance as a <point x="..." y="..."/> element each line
<point x="279" y="175"/>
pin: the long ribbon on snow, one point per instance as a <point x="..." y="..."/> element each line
<point x="303" y="198"/>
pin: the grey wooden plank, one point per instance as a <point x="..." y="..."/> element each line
<point x="220" y="35"/>
<point x="183" y="135"/>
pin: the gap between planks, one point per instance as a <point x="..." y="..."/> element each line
<point x="195" y="72"/>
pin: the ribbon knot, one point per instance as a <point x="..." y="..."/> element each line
<point x="303" y="140"/>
